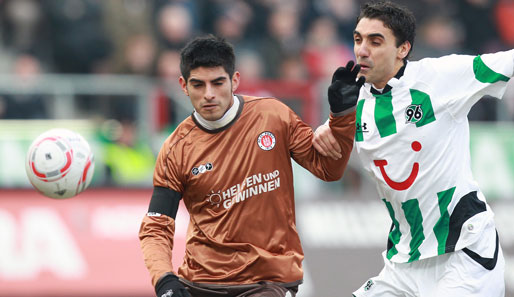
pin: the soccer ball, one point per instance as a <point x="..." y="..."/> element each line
<point x="60" y="163"/>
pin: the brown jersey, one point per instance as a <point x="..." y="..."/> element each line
<point x="237" y="185"/>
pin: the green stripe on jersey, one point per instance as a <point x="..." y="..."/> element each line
<point x="415" y="220"/>
<point x="358" y="121"/>
<point x="384" y="118"/>
<point x="442" y="227"/>
<point x="423" y="99"/>
<point x="485" y="74"/>
<point x="395" y="234"/>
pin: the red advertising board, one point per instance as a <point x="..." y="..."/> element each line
<point x="84" y="246"/>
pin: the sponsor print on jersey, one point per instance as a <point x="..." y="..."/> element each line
<point x="202" y="168"/>
<point x="251" y="186"/>
<point x="266" y="141"/>
<point x="404" y="185"/>
<point x="214" y="198"/>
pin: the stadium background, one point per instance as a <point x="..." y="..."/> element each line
<point x="109" y="69"/>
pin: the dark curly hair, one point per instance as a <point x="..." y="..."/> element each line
<point x="395" y="17"/>
<point x="207" y="51"/>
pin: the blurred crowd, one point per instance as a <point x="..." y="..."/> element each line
<point x="290" y="43"/>
<point x="290" y="40"/>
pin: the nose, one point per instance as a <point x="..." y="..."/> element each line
<point x="362" y="50"/>
<point x="209" y="92"/>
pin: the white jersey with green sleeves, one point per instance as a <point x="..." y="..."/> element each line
<point x="414" y="141"/>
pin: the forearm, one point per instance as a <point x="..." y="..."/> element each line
<point x="156" y="238"/>
<point x="343" y="129"/>
<point x="324" y="167"/>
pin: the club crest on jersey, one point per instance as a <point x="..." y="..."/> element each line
<point x="202" y="168"/>
<point x="413" y="113"/>
<point x="266" y="141"/>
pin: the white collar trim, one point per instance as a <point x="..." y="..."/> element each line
<point x="223" y="121"/>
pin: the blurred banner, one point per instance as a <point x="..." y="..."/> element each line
<point x="88" y="245"/>
<point x="84" y="246"/>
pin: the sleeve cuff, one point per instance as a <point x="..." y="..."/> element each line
<point x="344" y="112"/>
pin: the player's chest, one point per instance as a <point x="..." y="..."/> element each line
<point x="249" y="149"/>
<point x="396" y="115"/>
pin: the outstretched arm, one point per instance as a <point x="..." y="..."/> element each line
<point x="325" y="142"/>
<point x="156" y="236"/>
<point x="342" y="95"/>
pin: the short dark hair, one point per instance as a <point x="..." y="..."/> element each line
<point x="395" y="17"/>
<point x="207" y="51"/>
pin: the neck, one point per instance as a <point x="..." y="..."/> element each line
<point x="229" y="115"/>
<point x="398" y="65"/>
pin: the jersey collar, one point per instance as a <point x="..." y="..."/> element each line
<point x="391" y="83"/>
<point x="226" y="120"/>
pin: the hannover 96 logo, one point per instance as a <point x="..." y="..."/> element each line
<point x="413" y="113"/>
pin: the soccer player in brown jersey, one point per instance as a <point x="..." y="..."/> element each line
<point x="230" y="162"/>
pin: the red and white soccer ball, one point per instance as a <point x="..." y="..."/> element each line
<point x="60" y="163"/>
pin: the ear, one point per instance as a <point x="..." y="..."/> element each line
<point x="236" y="78"/>
<point x="403" y="50"/>
<point x="183" y="85"/>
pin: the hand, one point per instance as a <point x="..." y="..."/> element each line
<point x="325" y="143"/>
<point x="344" y="90"/>
<point x="170" y="286"/>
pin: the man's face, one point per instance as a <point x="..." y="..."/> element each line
<point x="376" y="51"/>
<point x="210" y="90"/>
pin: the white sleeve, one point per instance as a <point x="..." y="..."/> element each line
<point x="462" y="80"/>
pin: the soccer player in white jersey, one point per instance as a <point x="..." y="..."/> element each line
<point x="412" y="137"/>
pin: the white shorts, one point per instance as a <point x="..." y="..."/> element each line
<point x="454" y="274"/>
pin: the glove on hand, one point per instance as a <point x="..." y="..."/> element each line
<point x="169" y="286"/>
<point x="344" y="90"/>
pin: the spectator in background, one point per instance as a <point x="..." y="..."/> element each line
<point x="231" y="22"/>
<point x="323" y="48"/>
<point x="79" y="41"/>
<point x="439" y="35"/>
<point x="128" y="161"/>
<point x="129" y="23"/>
<point x="250" y="65"/>
<point x="283" y="38"/>
<point x="167" y="71"/>
<point x="139" y="55"/>
<point x="504" y="16"/>
<point x="292" y="69"/>
<point x="174" y="26"/>
<point x="342" y="12"/>
<point x="24" y="105"/>
<point x="477" y="17"/>
<point x="23" y="28"/>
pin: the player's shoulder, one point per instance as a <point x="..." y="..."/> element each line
<point x="447" y="63"/>
<point x="264" y="103"/>
<point x="184" y="131"/>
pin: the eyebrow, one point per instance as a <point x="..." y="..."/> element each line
<point x="371" y="35"/>
<point x="217" y="79"/>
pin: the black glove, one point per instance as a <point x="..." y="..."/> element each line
<point x="169" y="286"/>
<point x="344" y="90"/>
